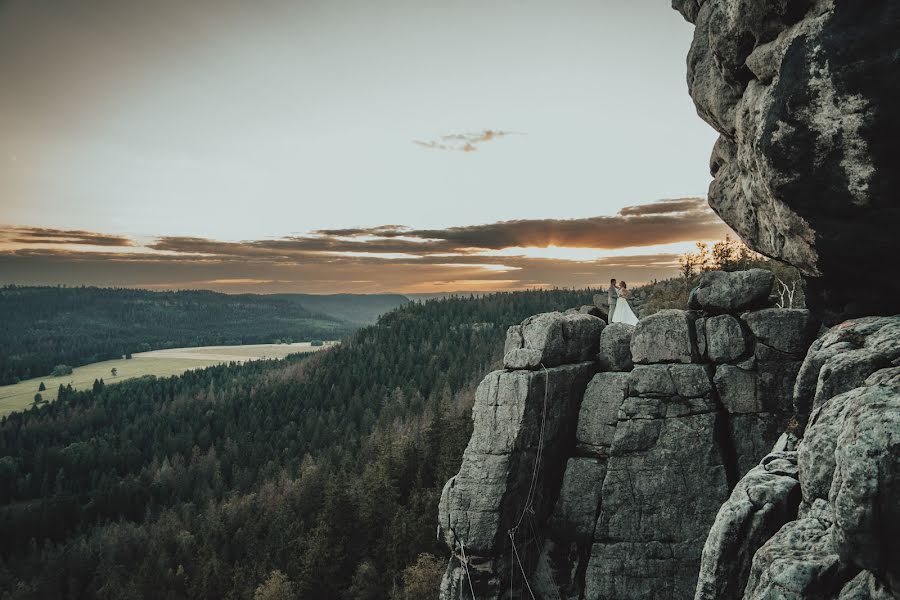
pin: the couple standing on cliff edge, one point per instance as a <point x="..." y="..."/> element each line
<point x="619" y="309"/>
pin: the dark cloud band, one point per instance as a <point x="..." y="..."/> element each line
<point x="399" y="258"/>
<point x="42" y="235"/>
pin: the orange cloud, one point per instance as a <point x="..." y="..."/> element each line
<point x="503" y="255"/>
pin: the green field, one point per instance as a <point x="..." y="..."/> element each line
<point x="161" y="363"/>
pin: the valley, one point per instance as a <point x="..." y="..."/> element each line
<point x="155" y="363"/>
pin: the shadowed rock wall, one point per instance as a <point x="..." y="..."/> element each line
<point x="806" y="98"/>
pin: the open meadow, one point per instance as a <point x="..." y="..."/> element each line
<point x="160" y="363"/>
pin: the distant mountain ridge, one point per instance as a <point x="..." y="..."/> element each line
<point x="361" y="309"/>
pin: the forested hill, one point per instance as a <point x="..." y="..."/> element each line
<point x="315" y="478"/>
<point x="41" y="327"/>
<point x="361" y="309"/>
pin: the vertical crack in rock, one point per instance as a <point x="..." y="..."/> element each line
<point x="722" y="433"/>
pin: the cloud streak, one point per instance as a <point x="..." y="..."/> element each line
<point x="503" y="255"/>
<point x="464" y="142"/>
<point x="43" y="235"/>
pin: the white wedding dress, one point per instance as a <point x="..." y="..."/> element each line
<point x="623" y="312"/>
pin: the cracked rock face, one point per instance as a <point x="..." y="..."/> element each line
<point x="845" y="540"/>
<point x="805" y="95"/>
<point x="760" y="504"/>
<point x="516" y="413"/>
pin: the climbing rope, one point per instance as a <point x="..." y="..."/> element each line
<point x="522" y="568"/>
<point x="465" y="562"/>
<point x="528" y="508"/>
<point x="532" y="487"/>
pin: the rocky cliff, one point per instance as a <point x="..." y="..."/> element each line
<point x="805" y="95"/>
<point x="601" y="454"/>
<point x="735" y="450"/>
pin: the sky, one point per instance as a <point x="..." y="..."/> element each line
<point x="347" y="146"/>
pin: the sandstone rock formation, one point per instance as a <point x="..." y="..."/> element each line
<point x="764" y="500"/>
<point x="552" y="339"/>
<point x="643" y="454"/>
<point x="805" y="95"/>
<point x="841" y="537"/>
<point x="721" y="292"/>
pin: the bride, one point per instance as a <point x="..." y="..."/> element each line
<point x="623" y="312"/>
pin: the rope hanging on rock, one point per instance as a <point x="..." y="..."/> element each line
<point x="465" y="562"/>
<point x="528" y="508"/>
<point x="532" y="488"/>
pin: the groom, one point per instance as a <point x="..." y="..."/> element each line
<point x="612" y="295"/>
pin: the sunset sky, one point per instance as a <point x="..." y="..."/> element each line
<point x="347" y="146"/>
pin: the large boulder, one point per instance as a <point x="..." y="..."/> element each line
<point x="664" y="337"/>
<point x="787" y="331"/>
<point x="806" y="98"/>
<point x="615" y="347"/>
<point x="865" y="489"/>
<point x="799" y="561"/>
<point x="726" y="340"/>
<point x="726" y="292"/>
<point x="760" y="504"/>
<point x="552" y="339"/>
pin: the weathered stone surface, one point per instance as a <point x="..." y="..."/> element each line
<point x="575" y="513"/>
<point x="700" y="331"/>
<point x="652" y="521"/>
<point x="615" y="347"/>
<point x="665" y="381"/>
<point x="865" y="490"/>
<point x="588" y="309"/>
<point x="523" y="358"/>
<point x="485" y="499"/>
<point x="787" y="330"/>
<point x="761" y="503"/>
<point x="599" y="413"/>
<point x="725" y="339"/>
<point x="737" y="389"/>
<point x="552" y="339"/>
<point x="844" y="358"/>
<point x="724" y="292"/>
<point x="804" y="97"/>
<point x="798" y="561"/>
<point x="816" y="454"/>
<point x="865" y="587"/>
<point x="888" y="377"/>
<point x="514" y="339"/>
<point x="665" y="337"/>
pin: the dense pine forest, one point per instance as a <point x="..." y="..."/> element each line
<point x="311" y="478"/>
<point x="41" y="327"/>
